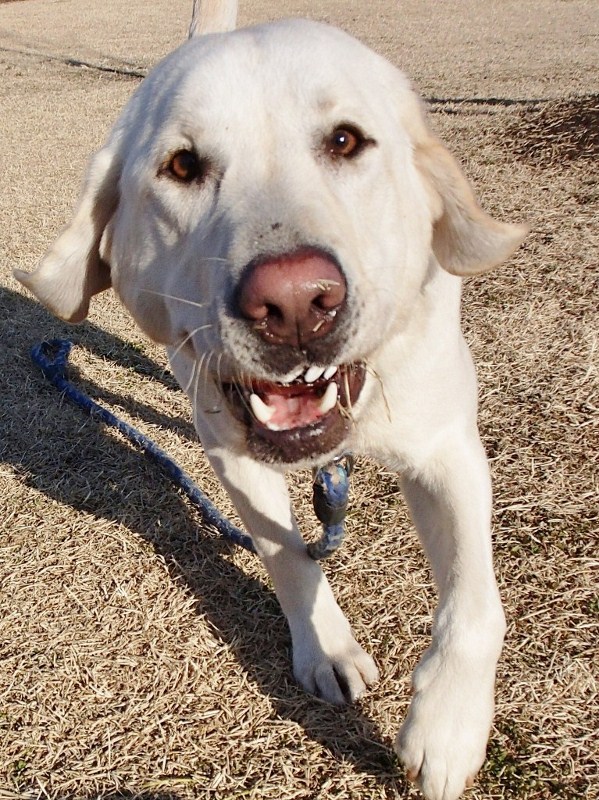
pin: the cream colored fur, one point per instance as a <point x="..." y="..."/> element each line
<point x="403" y="224"/>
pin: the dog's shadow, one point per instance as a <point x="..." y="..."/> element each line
<point x="252" y="624"/>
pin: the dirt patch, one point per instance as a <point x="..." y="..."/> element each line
<point x="557" y="131"/>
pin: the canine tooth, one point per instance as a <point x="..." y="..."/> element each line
<point x="313" y="374"/>
<point x="329" y="372"/>
<point x="261" y="411"/>
<point x="329" y="398"/>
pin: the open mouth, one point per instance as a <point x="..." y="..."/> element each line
<point x="305" y="417"/>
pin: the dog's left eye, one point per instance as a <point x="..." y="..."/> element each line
<point x="346" y="141"/>
<point x="184" y="166"/>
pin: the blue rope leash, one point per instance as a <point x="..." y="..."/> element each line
<point x="331" y="483"/>
<point x="52" y="357"/>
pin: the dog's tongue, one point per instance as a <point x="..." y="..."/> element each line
<point x="292" y="412"/>
<point x="279" y="407"/>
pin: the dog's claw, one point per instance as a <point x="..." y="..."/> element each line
<point x="337" y="679"/>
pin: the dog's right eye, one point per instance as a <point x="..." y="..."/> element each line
<point x="184" y="166"/>
<point x="346" y="142"/>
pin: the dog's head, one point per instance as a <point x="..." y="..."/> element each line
<point x="272" y="202"/>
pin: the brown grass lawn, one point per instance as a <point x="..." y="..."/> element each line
<point x="141" y="655"/>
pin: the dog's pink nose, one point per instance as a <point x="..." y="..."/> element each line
<point x="294" y="298"/>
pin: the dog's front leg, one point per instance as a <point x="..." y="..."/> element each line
<point x="442" y="742"/>
<point x="327" y="660"/>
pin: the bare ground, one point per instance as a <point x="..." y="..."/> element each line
<point x="140" y="655"/>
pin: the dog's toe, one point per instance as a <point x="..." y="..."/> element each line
<point x="441" y="747"/>
<point x="337" y="678"/>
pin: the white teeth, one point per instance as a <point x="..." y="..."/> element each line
<point x="261" y="411"/>
<point x="313" y="374"/>
<point x="291" y="376"/>
<point x="329" y="372"/>
<point x="329" y="398"/>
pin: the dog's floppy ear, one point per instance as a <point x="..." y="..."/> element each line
<point x="466" y="240"/>
<point x="213" y="16"/>
<point x="73" y="270"/>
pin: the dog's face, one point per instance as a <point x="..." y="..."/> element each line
<point x="272" y="203"/>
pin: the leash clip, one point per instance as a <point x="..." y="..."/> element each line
<point x="330" y="495"/>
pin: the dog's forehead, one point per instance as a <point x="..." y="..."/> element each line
<point x="297" y="50"/>
<point x="292" y="64"/>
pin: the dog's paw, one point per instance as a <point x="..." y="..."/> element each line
<point x="442" y="742"/>
<point x="337" y="669"/>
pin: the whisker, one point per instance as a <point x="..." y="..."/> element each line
<point x="203" y="364"/>
<point x="244" y="379"/>
<point x="203" y="367"/>
<point x="344" y="412"/>
<point x="174" y="297"/>
<point x="350" y="410"/>
<point x="219" y="381"/>
<point x="191" y="379"/>
<point x="243" y="399"/>
<point x="219" y="362"/>
<point x="377" y="377"/>
<point x="211" y="355"/>
<point x="195" y="404"/>
<point x="190" y="336"/>
<point x="218" y="259"/>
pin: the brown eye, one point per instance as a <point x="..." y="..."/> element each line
<point x="185" y="166"/>
<point x="345" y="142"/>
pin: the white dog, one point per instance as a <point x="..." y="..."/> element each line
<point x="272" y="206"/>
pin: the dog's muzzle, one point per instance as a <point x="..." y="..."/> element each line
<point x="293" y="307"/>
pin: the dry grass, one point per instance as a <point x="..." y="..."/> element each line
<point x="142" y="657"/>
<point x="558" y="131"/>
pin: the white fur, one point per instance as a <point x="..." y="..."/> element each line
<point x="399" y="220"/>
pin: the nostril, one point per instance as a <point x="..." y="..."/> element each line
<point x="273" y="311"/>
<point x="331" y="295"/>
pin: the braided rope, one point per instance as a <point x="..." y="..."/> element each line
<point x="331" y="483"/>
